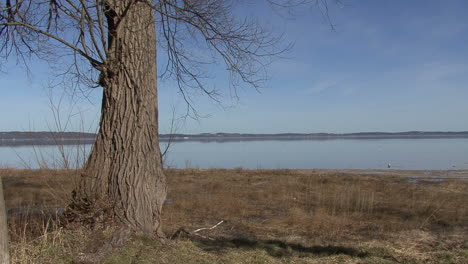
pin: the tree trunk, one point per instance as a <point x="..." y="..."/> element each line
<point x="123" y="175"/>
<point x="4" y="255"/>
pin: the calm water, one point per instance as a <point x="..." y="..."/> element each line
<point x="431" y="154"/>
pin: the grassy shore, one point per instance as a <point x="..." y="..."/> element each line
<point x="270" y="216"/>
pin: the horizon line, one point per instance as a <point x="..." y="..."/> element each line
<point x="251" y="133"/>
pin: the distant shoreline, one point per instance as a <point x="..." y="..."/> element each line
<point x="16" y="138"/>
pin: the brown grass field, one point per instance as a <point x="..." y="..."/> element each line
<point x="270" y="216"/>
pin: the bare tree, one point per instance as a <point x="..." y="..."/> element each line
<point x="112" y="44"/>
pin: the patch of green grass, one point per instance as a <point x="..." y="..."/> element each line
<point x="446" y="257"/>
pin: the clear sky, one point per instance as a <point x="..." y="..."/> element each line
<point x="388" y="66"/>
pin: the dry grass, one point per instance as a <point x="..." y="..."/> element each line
<point x="38" y="188"/>
<point x="272" y="216"/>
<point x="324" y="204"/>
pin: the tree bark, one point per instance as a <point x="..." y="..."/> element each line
<point x="4" y="254"/>
<point x="123" y="175"/>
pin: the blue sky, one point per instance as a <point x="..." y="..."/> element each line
<point x="388" y="66"/>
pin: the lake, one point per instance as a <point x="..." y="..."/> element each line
<point x="401" y="153"/>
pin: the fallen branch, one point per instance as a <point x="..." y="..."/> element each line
<point x="208" y="228"/>
<point x="182" y="230"/>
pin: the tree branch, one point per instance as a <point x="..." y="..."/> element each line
<point x="95" y="63"/>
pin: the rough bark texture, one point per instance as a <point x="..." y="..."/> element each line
<point x="4" y="254"/>
<point x="123" y="177"/>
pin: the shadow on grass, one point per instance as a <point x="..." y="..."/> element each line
<point x="276" y="248"/>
